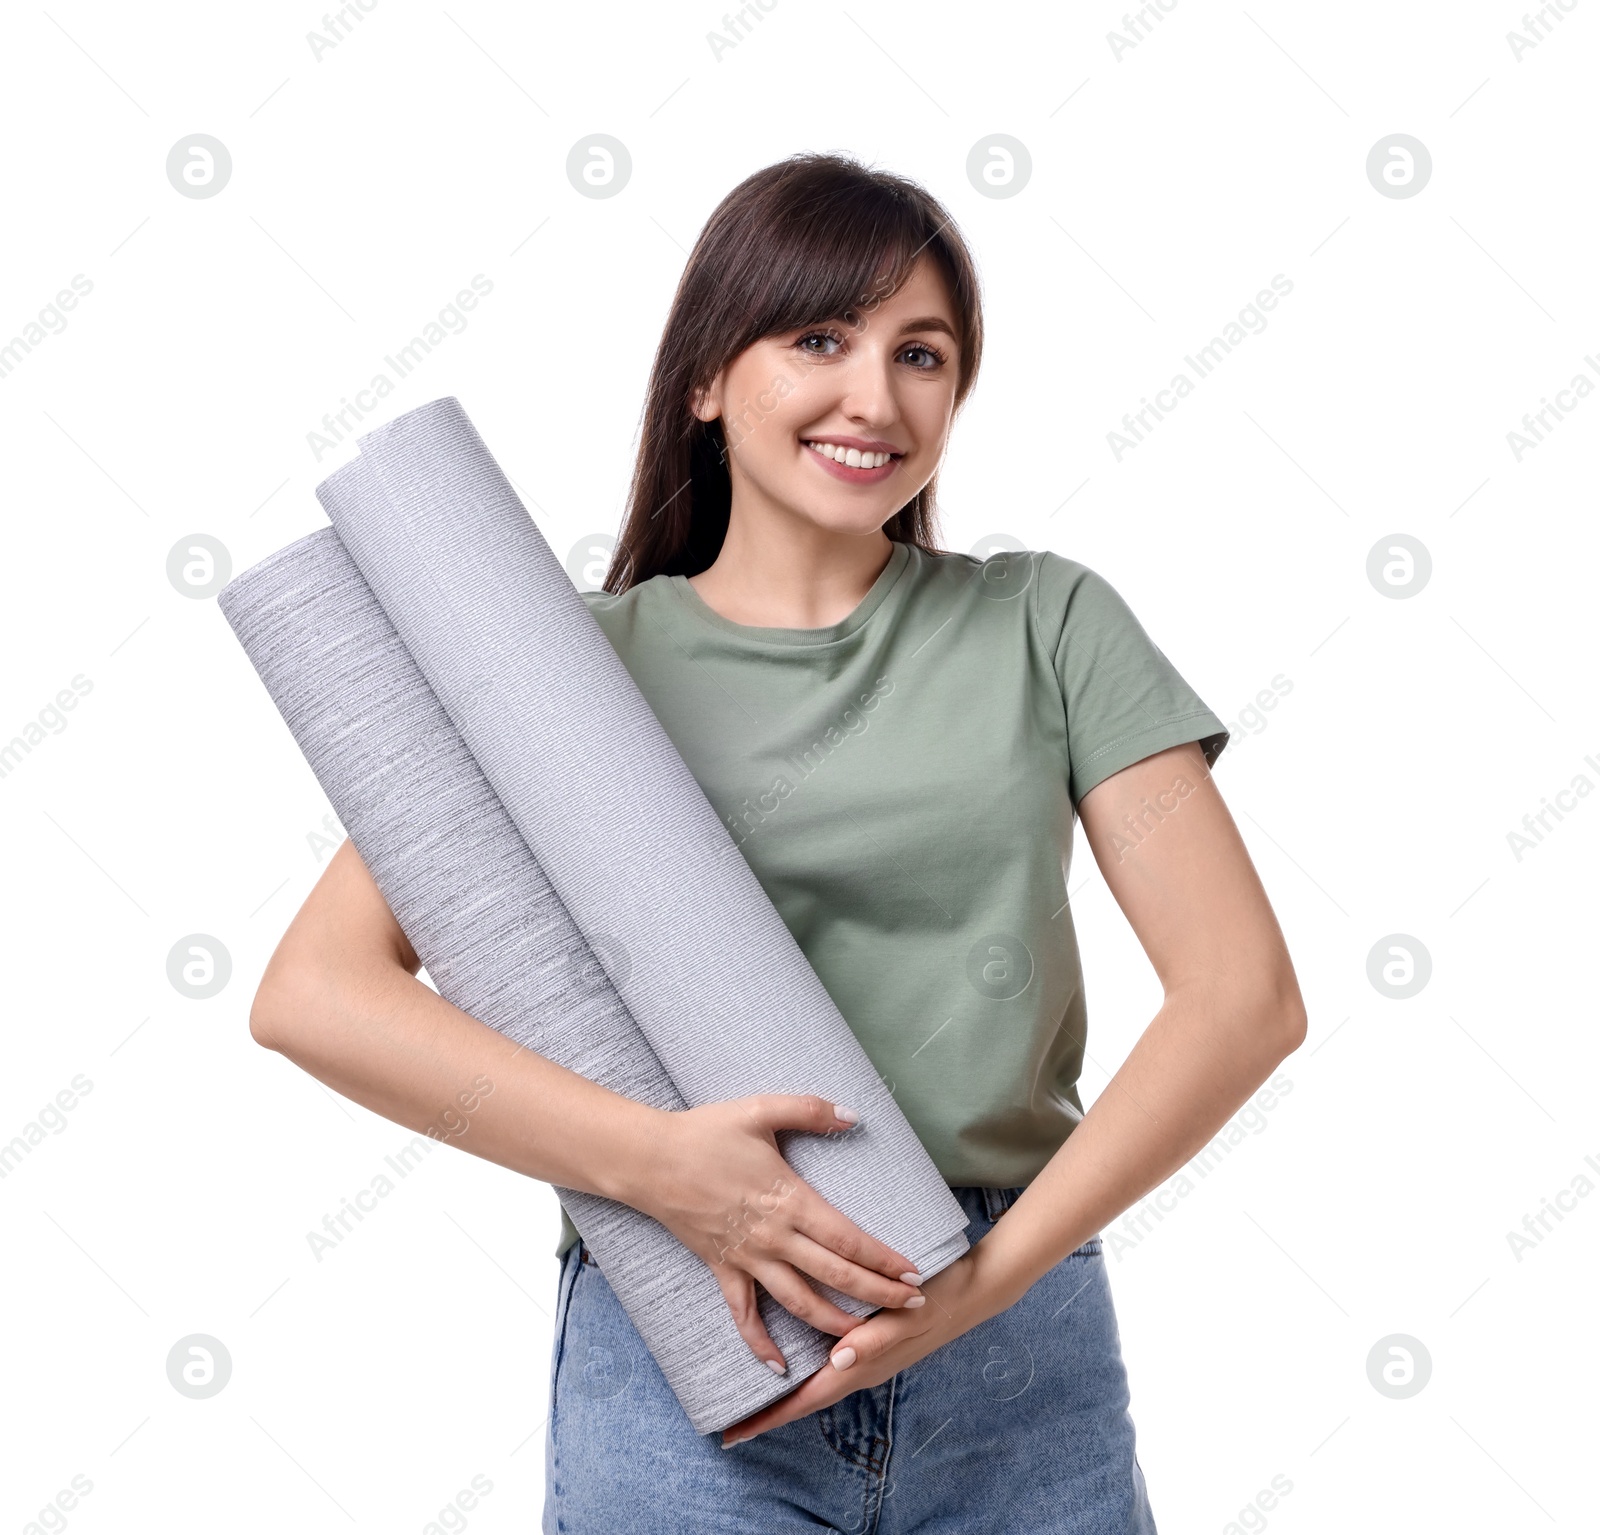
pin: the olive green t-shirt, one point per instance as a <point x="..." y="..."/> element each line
<point x="903" y="785"/>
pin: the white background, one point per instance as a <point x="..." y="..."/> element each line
<point x="1168" y="186"/>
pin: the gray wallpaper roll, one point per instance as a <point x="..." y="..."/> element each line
<point x="486" y="924"/>
<point x="634" y="850"/>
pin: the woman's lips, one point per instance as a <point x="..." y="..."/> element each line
<point x="846" y="473"/>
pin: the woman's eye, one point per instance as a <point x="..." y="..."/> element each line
<point x="816" y="335"/>
<point x="934" y="358"/>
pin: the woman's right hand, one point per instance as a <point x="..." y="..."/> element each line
<point x="722" y="1187"/>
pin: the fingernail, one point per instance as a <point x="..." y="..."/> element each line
<point x="776" y="1368"/>
<point x="844" y="1359"/>
<point x="849" y="1116"/>
<point x="911" y="1279"/>
<point x="728" y="1444"/>
<point x="915" y="1301"/>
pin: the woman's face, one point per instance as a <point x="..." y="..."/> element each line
<point x="842" y="422"/>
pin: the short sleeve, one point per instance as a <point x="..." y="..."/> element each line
<point x="1124" y="699"/>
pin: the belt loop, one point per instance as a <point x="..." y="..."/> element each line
<point x="994" y="1203"/>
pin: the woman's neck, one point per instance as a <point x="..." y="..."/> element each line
<point x="806" y="578"/>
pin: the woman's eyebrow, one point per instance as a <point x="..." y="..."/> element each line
<point x="929" y="322"/>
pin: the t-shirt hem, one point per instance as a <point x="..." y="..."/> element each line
<point x="1146" y="742"/>
<point x="564" y="1240"/>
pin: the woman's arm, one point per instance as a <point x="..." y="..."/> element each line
<point x="341" y="998"/>
<point x="1231" y="1011"/>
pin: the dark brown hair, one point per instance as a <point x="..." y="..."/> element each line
<point x="814" y="237"/>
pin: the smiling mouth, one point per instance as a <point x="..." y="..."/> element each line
<point x="850" y="458"/>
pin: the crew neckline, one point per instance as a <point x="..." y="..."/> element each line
<point x="899" y="559"/>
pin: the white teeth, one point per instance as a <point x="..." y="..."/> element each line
<point x="853" y="457"/>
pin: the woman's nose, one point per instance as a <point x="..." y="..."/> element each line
<point x="869" y="393"/>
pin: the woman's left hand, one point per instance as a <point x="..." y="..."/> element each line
<point x="886" y="1342"/>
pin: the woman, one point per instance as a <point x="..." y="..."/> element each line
<point x="897" y="738"/>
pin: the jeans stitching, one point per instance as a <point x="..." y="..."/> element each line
<point x="876" y="1456"/>
<point x="563" y="1310"/>
<point x="835" y="1441"/>
<point x="888" y="1429"/>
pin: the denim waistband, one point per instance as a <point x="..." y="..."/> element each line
<point x="985" y="1203"/>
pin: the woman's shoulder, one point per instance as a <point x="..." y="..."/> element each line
<point x="632" y="618"/>
<point x="1049" y="586"/>
<point x="1046" y="564"/>
<point x="600" y="600"/>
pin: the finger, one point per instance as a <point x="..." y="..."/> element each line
<point x="864" y="1343"/>
<point x="870" y="1341"/>
<point x="820" y="1390"/>
<point x="830" y="1227"/>
<point x="785" y="1410"/>
<point x="797" y="1297"/>
<point x="738" y="1290"/>
<point x="830" y="1268"/>
<point x="800" y="1111"/>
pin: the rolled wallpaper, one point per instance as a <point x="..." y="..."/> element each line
<point x="495" y="940"/>
<point x="633" y="849"/>
<point x="558" y="869"/>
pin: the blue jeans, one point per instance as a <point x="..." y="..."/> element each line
<point x="1019" y="1425"/>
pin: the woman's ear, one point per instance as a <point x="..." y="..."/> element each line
<point x="701" y="403"/>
